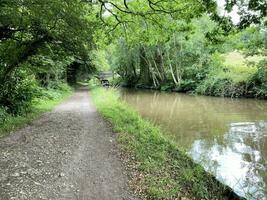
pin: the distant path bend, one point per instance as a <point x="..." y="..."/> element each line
<point x="67" y="154"/>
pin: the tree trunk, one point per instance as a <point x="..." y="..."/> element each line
<point x="145" y="77"/>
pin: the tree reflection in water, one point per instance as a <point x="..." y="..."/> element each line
<point x="238" y="159"/>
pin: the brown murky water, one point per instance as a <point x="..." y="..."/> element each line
<point x="227" y="136"/>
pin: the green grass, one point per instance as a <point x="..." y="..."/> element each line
<point x="236" y="73"/>
<point x="40" y="106"/>
<point x="158" y="169"/>
<point x="238" y="59"/>
<point x="237" y="65"/>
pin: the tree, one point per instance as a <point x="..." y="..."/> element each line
<point x="251" y="11"/>
<point x="30" y="26"/>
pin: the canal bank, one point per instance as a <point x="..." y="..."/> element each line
<point x="158" y="169"/>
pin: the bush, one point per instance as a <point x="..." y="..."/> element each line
<point x="259" y="81"/>
<point x="55" y="91"/>
<point x="61" y="86"/>
<point x="224" y="87"/>
<point x="18" y="92"/>
<point x="3" y="115"/>
<point x="228" y="81"/>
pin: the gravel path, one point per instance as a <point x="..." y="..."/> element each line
<point x="69" y="153"/>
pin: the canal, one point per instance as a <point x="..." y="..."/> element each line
<point x="228" y="137"/>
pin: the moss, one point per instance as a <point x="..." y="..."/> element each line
<point x="158" y="169"/>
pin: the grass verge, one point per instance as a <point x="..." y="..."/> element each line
<point x="40" y="106"/>
<point x="158" y="169"/>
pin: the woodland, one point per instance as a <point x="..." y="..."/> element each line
<point x="183" y="46"/>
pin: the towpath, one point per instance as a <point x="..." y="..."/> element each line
<point x="67" y="154"/>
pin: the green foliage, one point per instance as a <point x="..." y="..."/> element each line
<point x="46" y="100"/>
<point x="163" y="45"/>
<point x="186" y="60"/>
<point x="226" y="81"/>
<point x="259" y="81"/>
<point x="224" y="87"/>
<point x="251" y="11"/>
<point x="3" y="115"/>
<point x="18" y="92"/>
<point x="54" y="92"/>
<point x="38" y="42"/>
<point x="249" y="40"/>
<point x="180" y="62"/>
<point x="99" y="60"/>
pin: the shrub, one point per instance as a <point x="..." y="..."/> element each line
<point x="259" y="81"/>
<point x="224" y="87"/>
<point x="55" y="91"/>
<point x="61" y="86"/>
<point x="18" y="92"/>
<point x="3" y="115"/>
<point x="228" y="81"/>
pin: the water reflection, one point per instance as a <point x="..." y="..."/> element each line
<point x="228" y="137"/>
<point x="236" y="160"/>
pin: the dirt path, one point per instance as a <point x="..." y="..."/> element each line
<point x="68" y="154"/>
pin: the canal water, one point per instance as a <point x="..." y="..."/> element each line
<point x="228" y="137"/>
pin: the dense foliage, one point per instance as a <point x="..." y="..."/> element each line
<point x="183" y="46"/>
<point x="177" y="45"/>
<point x="191" y="54"/>
<point x="40" y="42"/>
<point x="45" y="43"/>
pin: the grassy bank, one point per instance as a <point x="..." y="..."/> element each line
<point x="46" y="102"/>
<point x="158" y="169"/>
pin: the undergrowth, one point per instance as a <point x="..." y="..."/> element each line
<point x="232" y="80"/>
<point x="46" y="100"/>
